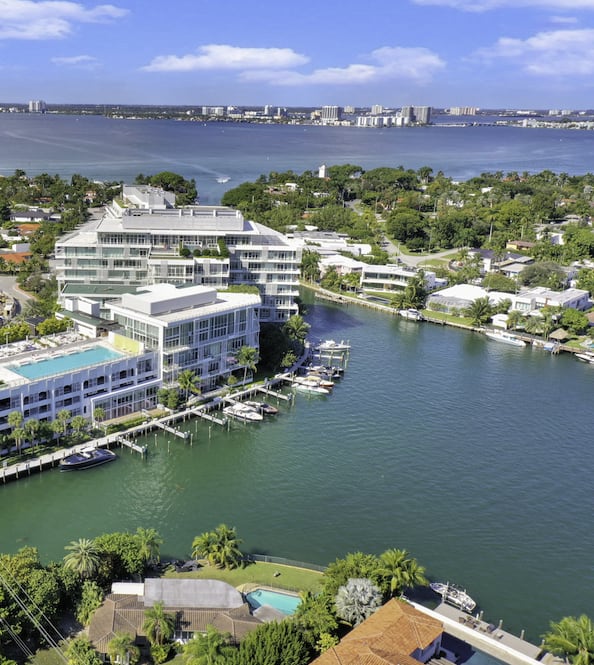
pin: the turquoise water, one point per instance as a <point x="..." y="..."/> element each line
<point x="66" y="363"/>
<point x="284" y="602"/>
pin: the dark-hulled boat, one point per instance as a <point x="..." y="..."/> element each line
<point x="86" y="459"/>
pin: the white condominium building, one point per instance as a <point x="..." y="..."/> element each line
<point x="193" y="328"/>
<point x="143" y="239"/>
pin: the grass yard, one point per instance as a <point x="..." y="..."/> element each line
<point x="290" y="578"/>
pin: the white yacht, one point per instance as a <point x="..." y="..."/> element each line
<point x="454" y="595"/>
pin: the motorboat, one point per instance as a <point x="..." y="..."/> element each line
<point x="86" y="459"/>
<point x="320" y="378"/>
<point x="454" y="595"/>
<point x="411" y="314"/>
<point x="325" y="370"/>
<point x="505" y="337"/>
<point x="585" y="357"/>
<point x="308" y="384"/>
<point x="242" y="411"/>
<point x="263" y="407"/>
<point x="330" y="345"/>
<point x="223" y="179"/>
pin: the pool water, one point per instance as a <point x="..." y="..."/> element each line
<point x="284" y="602"/>
<point x="65" y="363"/>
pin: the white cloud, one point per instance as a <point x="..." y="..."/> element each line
<point x="486" y="5"/>
<point x="555" y="53"/>
<point x="563" y="20"/>
<point x="51" y="19"/>
<point x="224" y="56"/>
<point x="77" y="61"/>
<point x="418" y="64"/>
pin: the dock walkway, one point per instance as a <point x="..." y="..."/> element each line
<point x="484" y="636"/>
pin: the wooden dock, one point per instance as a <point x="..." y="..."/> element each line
<point x="171" y="430"/>
<point x="126" y="443"/>
<point x="202" y="413"/>
<point x="276" y="394"/>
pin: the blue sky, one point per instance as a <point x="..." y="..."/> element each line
<point x="485" y="53"/>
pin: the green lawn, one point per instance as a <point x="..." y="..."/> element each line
<point x="448" y="318"/>
<point x="290" y="578"/>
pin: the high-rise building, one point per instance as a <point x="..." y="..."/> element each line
<point x="37" y="106"/>
<point x="330" y="114"/>
<point x="144" y="239"/>
<point x="377" y="109"/>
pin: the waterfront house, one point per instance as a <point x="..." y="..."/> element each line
<point x="396" y="634"/>
<point x="390" y="278"/>
<point x="195" y="604"/>
<point x="537" y="297"/>
<point x="459" y="296"/>
<point x="143" y="239"/>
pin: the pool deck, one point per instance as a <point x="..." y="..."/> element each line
<point x="484" y="636"/>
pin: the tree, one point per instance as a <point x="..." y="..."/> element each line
<point x="572" y="638"/>
<point x="247" y="357"/>
<point x="273" y="644"/>
<point x="354" y="565"/>
<point x="158" y="624"/>
<point x="514" y="319"/>
<point x="80" y="651"/>
<point x="310" y="265"/>
<point x="121" y="649"/>
<point x="479" y="311"/>
<point x="576" y="322"/>
<point x="60" y="425"/>
<point x="315" y="616"/>
<point x="219" y="547"/>
<point x="32" y="429"/>
<point x="296" y="328"/>
<point x="207" y="648"/>
<point x="398" y="571"/>
<point x="545" y="273"/>
<point x="83" y="557"/>
<point x="357" y="600"/>
<point x="90" y="600"/>
<point x="15" y="420"/>
<point x="149" y="542"/>
<point x="79" y="424"/>
<point x="189" y="382"/>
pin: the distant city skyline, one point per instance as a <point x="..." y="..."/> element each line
<point x="440" y="53"/>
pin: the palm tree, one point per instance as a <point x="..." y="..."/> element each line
<point x="15" y="420"/>
<point x="83" y="557"/>
<point x="207" y="648"/>
<point x="357" y="600"/>
<point x="158" y="624"/>
<point x="573" y="639"/>
<point x="149" y="542"/>
<point x="99" y="414"/>
<point x="121" y="649"/>
<point x="248" y="357"/>
<point x="219" y="547"/>
<point x="400" y="570"/>
<point x="32" y="428"/>
<point x="60" y="425"/>
<point x="296" y="328"/>
<point x="479" y="311"/>
<point x="310" y="266"/>
<point x="189" y="382"/>
<point x="514" y="318"/>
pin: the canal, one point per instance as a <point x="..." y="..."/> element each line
<point x="472" y="455"/>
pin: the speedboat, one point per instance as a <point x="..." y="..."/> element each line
<point x="308" y="384"/>
<point x="411" y="314"/>
<point x="86" y="458"/>
<point x="223" y="179"/>
<point x="585" y="357"/>
<point x="454" y="595"/>
<point x="264" y="407"/>
<point x="330" y="345"/>
<point x="320" y="378"/>
<point x="505" y="337"/>
<point x="242" y="412"/>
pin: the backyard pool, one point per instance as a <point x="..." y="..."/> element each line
<point x="284" y="602"/>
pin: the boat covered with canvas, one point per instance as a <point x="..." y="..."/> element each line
<point x="411" y="314"/>
<point x="262" y="407"/>
<point x="86" y="459"/>
<point x="454" y="595"/>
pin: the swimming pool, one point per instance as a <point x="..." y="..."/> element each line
<point x="65" y="363"/>
<point x="284" y="602"/>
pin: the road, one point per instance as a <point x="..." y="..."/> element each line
<point x="8" y="284"/>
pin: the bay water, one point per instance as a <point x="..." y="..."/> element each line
<point x="472" y="455"/>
